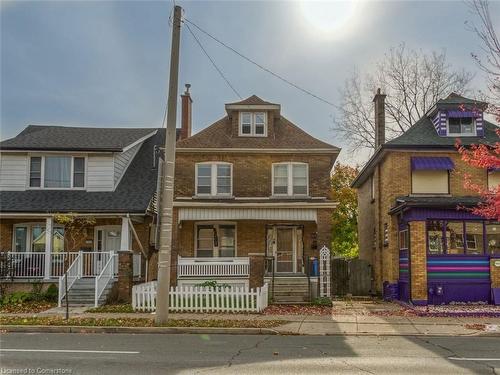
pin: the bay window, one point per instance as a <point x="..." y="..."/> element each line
<point x="459" y="237"/>
<point x="214" y="179"/>
<point x="290" y="179"/>
<point x="57" y="172"/>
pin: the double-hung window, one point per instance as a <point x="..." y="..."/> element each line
<point x="214" y="179"/>
<point x="57" y="172"/>
<point x="461" y="126"/>
<point x="253" y="124"/>
<point x="290" y="179"/>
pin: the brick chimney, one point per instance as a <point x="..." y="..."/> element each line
<point x="186" y="113"/>
<point x="379" y="101"/>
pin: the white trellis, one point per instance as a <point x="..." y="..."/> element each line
<point x="324" y="272"/>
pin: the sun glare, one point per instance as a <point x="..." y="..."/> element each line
<point x="329" y="18"/>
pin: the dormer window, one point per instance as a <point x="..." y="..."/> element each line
<point x="461" y="126"/>
<point x="253" y="124"/>
<point x="57" y="172"/>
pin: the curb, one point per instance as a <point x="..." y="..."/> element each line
<point x="138" y="330"/>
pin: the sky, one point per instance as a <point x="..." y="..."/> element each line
<point x="106" y="63"/>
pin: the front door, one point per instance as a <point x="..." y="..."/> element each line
<point x="107" y="239"/>
<point x="285" y="250"/>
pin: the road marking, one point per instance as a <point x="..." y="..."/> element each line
<point x="473" y="359"/>
<point x="69" y="351"/>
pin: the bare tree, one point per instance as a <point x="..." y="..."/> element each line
<point x="413" y="81"/>
<point x="490" y="46"/>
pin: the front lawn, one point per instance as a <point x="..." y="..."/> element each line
<point x="27" y="307"/>
<point x="136" y="322"/>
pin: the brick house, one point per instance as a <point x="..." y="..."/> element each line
<point x="251" y="200"/>
<point x="421" y="246"/>
<point x="108" y="174"/>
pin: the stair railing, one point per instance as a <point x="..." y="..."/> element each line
<point x="73" y="273"/>
<point x="102" y="280"/>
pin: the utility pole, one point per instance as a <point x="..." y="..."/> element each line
<point x="167" y="193"/>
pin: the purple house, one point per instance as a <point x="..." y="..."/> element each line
<point x="415" y="228"/>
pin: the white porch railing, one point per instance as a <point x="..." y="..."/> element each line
<point x="72" y="274"/>
<point x="102" y="280"/>
<point x="31" y="265"/>
<point x="201" y="267"/>
<point x="202" y="299"/>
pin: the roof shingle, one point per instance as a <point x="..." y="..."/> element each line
<point x="65" y="138"/>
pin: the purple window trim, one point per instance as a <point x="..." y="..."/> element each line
<point x="445" y="242"/>
<point x="462" y="114"/>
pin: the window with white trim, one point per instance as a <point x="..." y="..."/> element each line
<point x="214" y="179"/>
<point x="290" y="179"/>
<point x="57" y="172"/>
<point x="30" y="237"/>
<point x="253" y="124"/>
<point x="461" y="126"/>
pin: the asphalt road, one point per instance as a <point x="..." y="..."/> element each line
<point x="234" y="354"/>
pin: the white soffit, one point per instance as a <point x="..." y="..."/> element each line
<point x="284" y="214"/>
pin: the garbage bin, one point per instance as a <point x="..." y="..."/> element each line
<point x="314" y="266"/>
<point x="391" y="291"/>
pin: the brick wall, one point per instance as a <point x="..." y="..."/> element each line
<point x="252" y="173"/>
<point x="393" y="179"/>
<point x="495" y="273"/>
<point x="418" y="261"/>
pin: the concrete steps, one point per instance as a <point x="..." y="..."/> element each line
<point x="82" y="293"/>
<point x="290" y="289"/>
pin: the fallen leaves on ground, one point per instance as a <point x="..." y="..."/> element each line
<point x="116" y="308"/>
<point x="137" y="322"/>
<point x="297" y="310"/>
<point x="477" y="327"/>
<point x="26" y="307"/>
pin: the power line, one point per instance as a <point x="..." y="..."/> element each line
<point x="213" y="62"/>
<point x="259" y="65"/>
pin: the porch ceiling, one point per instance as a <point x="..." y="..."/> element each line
<point x="284" y="214"/>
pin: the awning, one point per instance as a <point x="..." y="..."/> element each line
<point x="431" y="163"/>
<point x="282" y="214"/>
<point x="462" y="114"/>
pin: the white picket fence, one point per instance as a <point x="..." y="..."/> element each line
<point x="202" y="299"/>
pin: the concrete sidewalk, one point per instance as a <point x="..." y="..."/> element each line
<point x="355" y="321"/>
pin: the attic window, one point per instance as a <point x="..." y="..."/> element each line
<point x="461" y="126"/>
<point x="253" y="124"/>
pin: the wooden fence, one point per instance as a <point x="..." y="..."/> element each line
<point x="202" y="299"/>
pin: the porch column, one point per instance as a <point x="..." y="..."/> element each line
<point x="125" y="235"/>
<point x="257" y="269"/>
<point x="49" y="229"/>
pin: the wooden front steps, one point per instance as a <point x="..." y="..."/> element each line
<point x="289" y="289"/>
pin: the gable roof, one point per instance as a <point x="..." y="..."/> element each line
<point x="65" y="138"/>
<point x="454" y="98"/>
<point x="286" y="136"/>
<point x="252" y="100"/>
<point x="132" y="195"/>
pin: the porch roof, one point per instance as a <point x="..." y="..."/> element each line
<point x="283" y="214"/>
